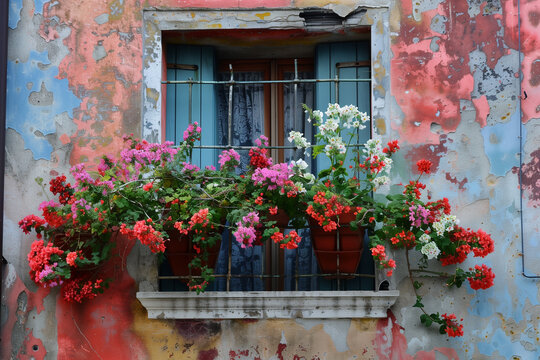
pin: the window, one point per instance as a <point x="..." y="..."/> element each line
<point x="272" y="109"/>
<point x="192" y="28"/>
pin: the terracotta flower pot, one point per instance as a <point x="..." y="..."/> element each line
<point x="333" y="257"/>
<point x="180" y="252"/>
<point x="281" y="218"/>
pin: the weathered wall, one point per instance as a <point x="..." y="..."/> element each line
<point x="74" y="87"/>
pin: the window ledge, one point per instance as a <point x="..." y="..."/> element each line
<point x="268" y="304"/>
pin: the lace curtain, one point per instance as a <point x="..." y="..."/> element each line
<point x="247" y="125"/>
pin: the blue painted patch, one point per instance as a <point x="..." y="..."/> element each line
<point x="475" y="189"/>
<point x="15" y="7"/>
<point x="504" y="346"/>
<point x="38" y="6"/>
<point x="31" y="121"/>
<point x="479" y="304"/>
<point x="501" y="145"/>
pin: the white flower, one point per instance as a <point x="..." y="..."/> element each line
<point x="309" y="177"/>
<point x="424" y="238"/>
<point x="299" y="164"/>
<point x="328" y="149"/>
<point x="438" y="227"/>
<point x="430" y="250"/>
<point x="381" y="180"/>
<point x="298" y="139"/>
<point x="331" y="124"/>
<point x="317" y="115"/>
<point x="364" y="117"/>
<point x="332" y="110"/>
<point x="445" y="223"/>
<point x="373" y="147"/>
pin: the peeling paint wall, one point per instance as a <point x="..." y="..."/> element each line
<point x="458" y="83"/>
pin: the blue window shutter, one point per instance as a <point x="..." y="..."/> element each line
<point x="327" y="56"/>
<point x="203" y="108"/>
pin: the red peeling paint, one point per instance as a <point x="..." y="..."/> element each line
<point x="530" y="105"/>
<point x="482" y="110"/>
<point x="17" y="315"/>
<point x="33" y="349"/>
<point x="102" y="327"/>
<point x="279" y="352"/>
<point x="454" y="180"/>
<point x="233" y="355"/>
<point x="46" y="29"/>
<point x="391" y="343"/>
<point x="535" y="73"/>
<point x="530" y="45"/>
<point x="103" y="69"/>
<point x="429" y="152"/>
<point x="208" y="354"/>
<point x="428" y="85"/>
<point x="64" y="139"/>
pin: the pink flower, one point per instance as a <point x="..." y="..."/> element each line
<point x="229" y="159"/>
<point x="245" y="235"/>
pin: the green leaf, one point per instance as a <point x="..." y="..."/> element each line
<point x="417" y="285"/>
<point x="418" y="303"/>
<point x="426" y="320"/>
<point x="442" y="329"/>
<point x="324" y="173"/>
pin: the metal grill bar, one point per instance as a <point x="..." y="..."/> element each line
<point x="251" y="82"/>
<point x="231" y="83"/>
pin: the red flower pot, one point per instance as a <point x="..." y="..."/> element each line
<point x="281" y="218"/>
<point x="338" y="254"/>
<point x="180" y="252"/>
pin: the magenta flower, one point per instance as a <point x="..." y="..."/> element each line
<point x="418" y="215"/>
<point x="229" y="159"/>
<point x="245" y="235"/>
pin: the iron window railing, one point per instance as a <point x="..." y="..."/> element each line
<point x="338" y="278"/>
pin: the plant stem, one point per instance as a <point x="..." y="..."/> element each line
<point x="412" y="281"/>
<point x="441" y="274"/>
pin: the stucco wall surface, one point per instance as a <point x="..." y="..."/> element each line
<point x="465" y="93"/>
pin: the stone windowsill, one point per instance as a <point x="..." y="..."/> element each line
<point x="268" y="304"/>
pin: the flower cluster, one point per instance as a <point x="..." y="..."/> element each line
<point x="379" y="254"/>
<point x="43" y="260"/>
<point x="192" y="133"/>
<point x="289" y="241"/>
<point x="154" y="194"/>
<point x="482" y="277"/>
<point x="78" y="291"/>
<point x="258" y="155"/>
<point x="229" y="159"/>
<point x="451" y="326"/>
<point x="326" y="209"/>
<point x="146" y="234"/>
<point x="77" y="229"/>
<point x="246" y="233"/>
<point x="298" y="139"/>
<point x="429" y="228"/>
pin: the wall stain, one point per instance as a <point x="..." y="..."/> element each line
<point x="530" y="175"/>
<point x="192" y="330"/>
